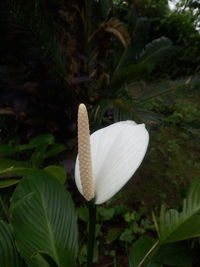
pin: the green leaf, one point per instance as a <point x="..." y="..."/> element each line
<point x="40" y="140"/>
<point x="11" y="171"/>
<point x="38" y="155"/>
<point x="9" y="182"/>
<point x="140" y="249"/>
<point x="12" y="166"/>
<point x="127" y="236"/>
<point x="8" y="253"/>
<point x="47" y="139"/>
<point x="175" y="254"/>
<point x="55" y="150"/>
<point x="44" y="261"/>
<point x="176" y="226"/>
<point x="44" y="220"/>
<point x="44" y="151"/>
<point x="83" y="213"/>
<point x="113" y="234"/>
<point x="106" y="213"/>
<point x="57" y="172"/>
<point x="6" y="150"/>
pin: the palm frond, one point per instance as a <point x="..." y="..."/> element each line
<point x="175" y="226"/>
<point x="93" y="21"/>
<point x="157" y="54"/>
<point x="117" y="106"/>
<point x="141" y="31"/>
<point x="30" y="22"/>
<point x="158" y="51"/>
<point x="115" y="27"/>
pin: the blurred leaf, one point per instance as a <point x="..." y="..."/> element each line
<point x="9" y="182"/>
<point x="44" y="151"/>
<point x="44" y="260"/>
<point x="139" y="250"/>
<point x="113" y="234"/>
<point x="176" y="226"/>
<point x="120" y="209"/>
<point x="13" y="166"/>
<point x="39" y="155"/>
<point x="175" y="254"/>
<point x="106" y="213"/>
<point x="55" y="150"/>
<point x="38" y="141"/>
<point x="127" y="236"/>
<point x="8" y="252"/>
<point x="44" y="220"/>
<point x="6" y="150"/>
<point x="83" y="213"/>
<point x="156" y="54"/>
<point x="82" y="256"/>
<point x="58" y="172"/>
<point x="11" y="171"/>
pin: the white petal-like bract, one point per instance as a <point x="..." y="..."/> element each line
<point x="117" y="151"/>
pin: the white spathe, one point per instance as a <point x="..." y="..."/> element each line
<point x="117" y="151"/>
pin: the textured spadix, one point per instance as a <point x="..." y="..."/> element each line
<point x="85" y="162"/>
<point x="117" y="151"/>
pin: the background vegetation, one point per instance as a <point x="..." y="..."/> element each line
<point x="136" y="60"/>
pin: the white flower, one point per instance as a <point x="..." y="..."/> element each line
<point x="116" y="153"/>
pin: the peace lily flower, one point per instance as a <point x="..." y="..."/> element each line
<point x="108" y="158"/>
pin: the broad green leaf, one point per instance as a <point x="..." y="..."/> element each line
<point x="139" y="251"/>
<point x="44" y="220"/>
<point x="42" y="262"/>
<point x="58" y="172"/>
<point x="175" y="254"/>
<point x="12" y="166"/>
<point x="11" y="171"/>
<point x="8" y="253"/>
<point x="176" y="226"/>
<point x="8" y="182"/>
<point x="38" y="155"/>
<point x="38" y="141"/>
<point x="45" y="151"/>
<point x="55" y="149"/>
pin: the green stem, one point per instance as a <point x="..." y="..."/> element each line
<point x="91" y="236"/>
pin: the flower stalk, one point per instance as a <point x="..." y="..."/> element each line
<point x="91" y="235"/>
<point x="86" y="176"/>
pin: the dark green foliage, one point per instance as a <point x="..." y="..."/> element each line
<point x="56" y="55"/>
<point x="175" y="254"/>
<point x="138" y="251"/>
<point x="32" y="71"/>
<point x="41" y="207"/>
<point x="8" y="253"/>
<point x="176" y="226"/>
<point x="14" y="163"/>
